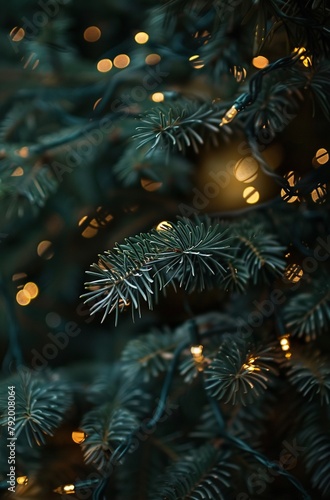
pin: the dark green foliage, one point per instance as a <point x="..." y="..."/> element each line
<point x="179" y="126"/>
<point x="309" y="372"/>
<point x="41" y="404"/>
<point x="202" y="474"/>
<point x="185" y="253"/>
<point x="307" y="313"/>
<point x="240" y="373"/>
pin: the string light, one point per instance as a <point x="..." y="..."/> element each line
<point x="17" y="34"/>
<point x="307" y="62"/>
<point x="121" y="61"/>
<point x="164" y="226"/>
<point x="239" y="73"/>
<point x="92" y="34"/>
<point x="45" y="249"/>
<point x="250" y="366"/>
<point x="18" y="172"/>
<point x="152" y="59"/>
<point x="321" y="157"/>
<point x="82" y="220"/>
<point x="104" y="65"/>
<point x="229" y="116"/>
<point x="251" y="195"/>
<point x="150" y="185"/>
<point x="319" y="194"/>
<point x="158" y="97"/>
<point x="292" y="180"/>
<point x="260" y="62"/>
<point x="18" y="276"/>
<point x="197" y="354"/>
<point x="67" y="489"/>
<point x="23" y="152"/>
<point x="31" y="289"/>
<point x="23" y="480"/>
<point x="293" y="273"/>
<point x="285" y="345"/>
<point x="78" y="436"/>
<point x="23" y="298"/>
<point x="196" y="62"/>
<point x="141" y="37"/>
<point x="246" y="169"/>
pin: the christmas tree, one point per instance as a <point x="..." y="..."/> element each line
<point x="165" y="243"/>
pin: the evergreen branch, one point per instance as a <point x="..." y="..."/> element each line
<point x="307" y="314"/>
<point x="40" y="405"/>
<point x="239" y="374"/>
<point x="187" y="253"/>
<point x="260" y="252"/>
<point x="204" y="473"/>
<point x="106" y="428"/>
<point x="148" y="355"/>
<point x="310" y="374"/>
<point x="178" y="126"/>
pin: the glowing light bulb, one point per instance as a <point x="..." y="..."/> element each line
<point x="23" y="480"/>
<point x="158" y="97"/>
<point x="104" y="65"/>
<point x="17" y="34"/>
<point x="141" y="37"/>
<point x="92" y="34"/>
<point x="121" y="61"/>
<point x="164" y="226"/>
<point x="251" y="195"/>
<point x="260" y="62"/>
<point x="152" y="59"/>
<point x="78" y="436"/>
<point x="31" y="289"/>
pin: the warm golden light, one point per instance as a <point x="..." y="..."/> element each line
<point x="152" y="59"/>
<point x="246" y="169"/>
<point x="229" y="116"/>
<point x="197" y="354"/>
<point x="196" y="350"/>
<point x="31" y="289"/>
<point x="17" y="34"/>
<point x="251" y="195"/>
<point x="150" y="185"/>
<point x="22" y="480"/>
<point x="96" y="103"/>
<point x="121" y="61"/>
<point x="196" y="62"/>
<point x="294" y="273"/>
<point x="68" y="489"/>
<point x="82" y="220"/>
<point x="104" y="65"/>
<point x="307" y="62"/>
<point x="260" y="62"/>
<point x="285" y="344"/>
<point x="18" y="276"/>
<point x="164" y="226"/>
<point x="18" y="172"/>
<point x="89" y="232"/>
<point x="319" y="194"/>
<point x="292" y="180"/>
<point x="23" y="152"/>
<point x="78" y="436"/>
<point x="321" y="156"/>
<point x="239" y="73"/>
<point x="158" y="97"/>
<point x="141" y="37"/>
<point x="44" y="249"/>
<point x="23" y="298"/>
<point x="92" y="34"/>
